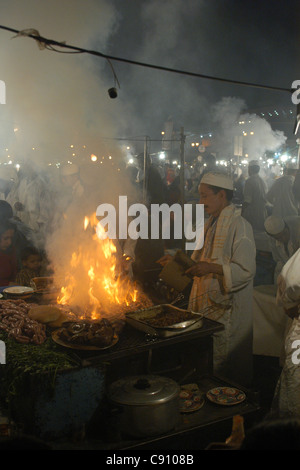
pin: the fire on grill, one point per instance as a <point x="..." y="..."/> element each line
<point x="95" y="289"/>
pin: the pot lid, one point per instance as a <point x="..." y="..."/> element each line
<point x="143" y="390"/>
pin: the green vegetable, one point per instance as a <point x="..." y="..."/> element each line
<point x="32" y="367"/>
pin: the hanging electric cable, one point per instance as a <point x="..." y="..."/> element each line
<point x="45" y="43"/>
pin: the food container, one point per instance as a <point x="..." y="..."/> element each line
<point x="173" y="273"/>
<point x="43" y="283"/>
<point x="144" y="320"/>
<point x="45" y="287"/>
<point x="146" y="405"/>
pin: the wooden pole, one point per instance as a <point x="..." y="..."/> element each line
<point x="146" y="163"/>
<point x="182" y="182"/>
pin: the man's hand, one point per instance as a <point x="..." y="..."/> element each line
<point x="203" y="267"/>
<point x="165" y="260"/>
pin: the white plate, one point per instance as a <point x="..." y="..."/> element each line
<point x="18" y="290"/>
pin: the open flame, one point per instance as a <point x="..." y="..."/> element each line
<point x="94" y="282"/>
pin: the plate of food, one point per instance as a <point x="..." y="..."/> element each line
<point x="190" y="398"/>
<point x="86" y="335"/>
<point x="226" y="396"/>
<point x="18" y="290"/>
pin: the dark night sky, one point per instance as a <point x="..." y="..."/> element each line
<point x="59" y="98"/>
<point x="250" y="41"/>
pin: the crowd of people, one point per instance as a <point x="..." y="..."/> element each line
<point x="251" y="235"/>
<point x="31" y="205"/>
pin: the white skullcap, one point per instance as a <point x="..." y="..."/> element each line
<point x="274" y="225"/>
<point x="69" y="169"/>
<point x="220" y="180"/>
<point x="254" y="163"/>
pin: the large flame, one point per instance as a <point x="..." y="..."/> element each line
<point x="94" y="283"/>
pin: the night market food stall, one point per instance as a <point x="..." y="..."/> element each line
<point x="100" y="363"/>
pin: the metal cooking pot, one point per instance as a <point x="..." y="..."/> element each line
<point x="148" y="405"/>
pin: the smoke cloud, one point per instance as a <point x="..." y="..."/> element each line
<point x="57" y="104"/>
<point x="58" y="109"/>
<point x="230" y="121"/>
<point x="56" y="100"/>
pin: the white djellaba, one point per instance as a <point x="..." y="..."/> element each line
<point x="286" y="401"/>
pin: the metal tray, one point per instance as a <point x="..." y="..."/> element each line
<point x="140" y="320"/>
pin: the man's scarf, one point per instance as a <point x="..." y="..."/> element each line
<point x="208" y="290"/>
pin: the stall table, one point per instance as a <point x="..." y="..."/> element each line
<point x="186" y="358"/>
<point x="80" y="405"/>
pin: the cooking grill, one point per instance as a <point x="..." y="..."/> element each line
<point x="133" y="342"/>
<point x="152" y="320"/>
<point x="144" y="320"/>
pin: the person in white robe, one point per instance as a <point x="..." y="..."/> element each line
<point x="70" y="195"/>
<point x="286" y="401"/>
<point x="31" y="201"/>
<point x="254" y="207"/>
<point x="8" y="181"/>
<point x="72" y="187"/>
<point x="284" y="237"/>
<point x="223" y="278"/>
<point x="269" y="318"/>
<point x="281" y="195"/>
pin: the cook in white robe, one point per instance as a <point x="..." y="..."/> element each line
<point x="223" y="278"/>
<point x="233" y="346"/>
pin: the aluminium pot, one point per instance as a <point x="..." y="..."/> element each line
<point x="147" y="405"/>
